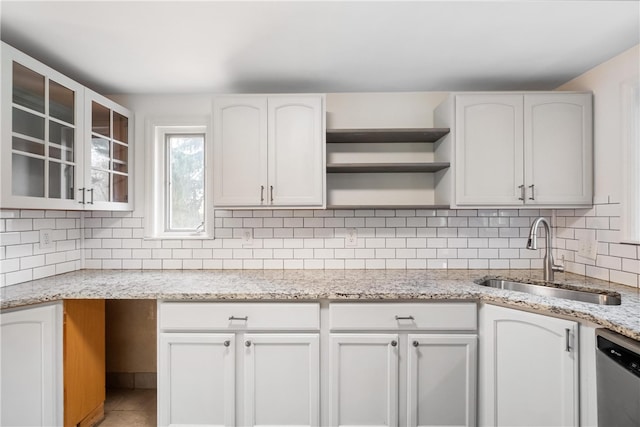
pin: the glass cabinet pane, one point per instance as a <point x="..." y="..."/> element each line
<point x="100" y="155"/>
<point x="100" y="119"/>
<point x="61" y="102"/>
<point x="100" y="185"/>
<point x="28" y="88"/>
<point x="120" y="188"/>
<point x="120" y="128"/>
<point x="120" y="152"/>
<point x="64" y="137"/>
<point x="28" y="124"/>
<point x="27" y="146"/>
<point x="60" y="181"/>
<point x="27" y="176"/>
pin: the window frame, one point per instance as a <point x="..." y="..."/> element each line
<point x="630" y="109"/>
<point x="156" y="196"/>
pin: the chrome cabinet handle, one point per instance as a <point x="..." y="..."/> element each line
<point x="91" y="191"/>
<point x="394" y="343"/>
<point x="404" y="317"/>
<point x="272" y="194"/>
<point x="567" y="335"/>
<point x="521" y="187"/>
<point x="227" y="343"/>
<point x="245" y="318"/>
<point x="82" y="191"/>
<point x="247" y="343"/>
<point x="415" y="343"/>
<point x="262" y="194"/>
<point x="532" y="187"/>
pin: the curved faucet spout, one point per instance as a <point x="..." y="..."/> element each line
<point x="532" y="243"/>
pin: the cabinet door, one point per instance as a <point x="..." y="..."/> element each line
<point x="296" y="151"/>
<point x="240" y="151"/>
<point x="529" y="369"/>
<point x="40" y="155"/>
<point x="108" y="180"/>
<point x="196" y="379"/>
<point x="281" y="379"/>
<point x="489" y="149"/>
<point x="31" y="366"/>
<point x="558" y="149"/>
<point x="363" y="380"/>
<point x="442" y="380"/>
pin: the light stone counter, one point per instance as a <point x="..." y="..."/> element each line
<point x="369" y="285"/>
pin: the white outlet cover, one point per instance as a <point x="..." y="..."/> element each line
<point x="588" y="246"/>
<point x="46" y="239"/>
<point x="351" y="238"/>
<point x="247" y="237"/>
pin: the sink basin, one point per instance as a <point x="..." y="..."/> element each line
<point x="549" y="291"/>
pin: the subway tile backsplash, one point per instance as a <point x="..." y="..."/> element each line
<point x="315" y="239"/>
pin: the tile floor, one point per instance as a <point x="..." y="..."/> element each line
<point x="130" y="408"/>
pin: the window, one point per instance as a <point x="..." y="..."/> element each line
<point x="631" y="152"/>
<point x="178" y="177"/>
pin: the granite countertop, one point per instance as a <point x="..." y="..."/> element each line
<point x="370" y="285"/>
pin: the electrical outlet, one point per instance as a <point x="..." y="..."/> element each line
<point x="588" y="246"/>
<point x="46" y="242"/>
<point x="247" y="237"/>
<point x="351" y="239"/>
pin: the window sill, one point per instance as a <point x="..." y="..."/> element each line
<point x="174" y="236"/>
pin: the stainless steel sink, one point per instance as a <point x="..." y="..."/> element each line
<point x="594" y="297"/>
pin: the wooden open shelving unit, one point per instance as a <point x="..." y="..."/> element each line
<point x="386" y="168"/>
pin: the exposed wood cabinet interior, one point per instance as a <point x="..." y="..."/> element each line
<point x="84" y="362"/>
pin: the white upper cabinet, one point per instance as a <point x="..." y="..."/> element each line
<point x="108" y="183"/>
<point x="489" y="148"/>
<point x="269" y="151"/>
<point x="558" y="149"/>
<point x="42" y="125"/>
<point x="518" y="149"/>
<point x="57" y="150"/>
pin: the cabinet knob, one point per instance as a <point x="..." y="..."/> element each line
<point x="247" y="343"/>
<point x="415" y="343"/>
<point x="394" y="343"/>
<point x="227" y="343"/>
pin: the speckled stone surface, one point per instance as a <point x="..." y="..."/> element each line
<point x="372" y="285"/>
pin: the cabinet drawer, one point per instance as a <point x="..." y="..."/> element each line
<point x="403" y="316"/>
<point x="199" y="316"/>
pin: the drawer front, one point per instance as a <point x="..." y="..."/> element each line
<point x="403" y="316"/>
<point x="205" y="316"/>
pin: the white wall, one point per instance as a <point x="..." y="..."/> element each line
<point x="616" y="262"/>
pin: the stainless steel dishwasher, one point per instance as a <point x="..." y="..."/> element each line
<point x="618" y="380"/>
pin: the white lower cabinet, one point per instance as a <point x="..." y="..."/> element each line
<point x="399" y="368"/>
<point x="235" y="370"/>
<point x="441" y="380"/>
<point x="364" y="380"/>
<point x="31" y="366"/>
<point x="528" y="369"/>
<point x="196" y="379"/>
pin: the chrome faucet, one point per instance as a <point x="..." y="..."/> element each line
<point x="532" y="243"/>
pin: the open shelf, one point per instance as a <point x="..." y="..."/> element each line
<point x="386" y="135"/>
<point x="386" y="167"/>
<point x="370" y="206"/>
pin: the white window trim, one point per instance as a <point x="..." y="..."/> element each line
<point x="631" y="162"/>
<point x="155" y="193"/>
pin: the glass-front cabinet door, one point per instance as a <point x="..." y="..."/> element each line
<point x="41" y="126"/>
<point x="108" y="159"/>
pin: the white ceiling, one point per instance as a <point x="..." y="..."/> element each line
<point x="357" y="46"/>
